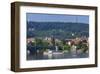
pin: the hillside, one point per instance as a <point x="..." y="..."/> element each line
<point x="59" y="30"/>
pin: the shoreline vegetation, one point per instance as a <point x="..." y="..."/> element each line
<point x="50" y="46"/>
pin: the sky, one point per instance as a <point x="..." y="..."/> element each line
<point x="40" y="17"/>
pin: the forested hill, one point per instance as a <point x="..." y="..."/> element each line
<point x="57" y="29"/>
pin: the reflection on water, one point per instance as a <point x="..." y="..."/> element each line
<point x="56" y="56"/>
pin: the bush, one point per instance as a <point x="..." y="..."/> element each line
<point x="66" y="47"/>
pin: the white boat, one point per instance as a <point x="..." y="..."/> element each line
<point x="47" y="52"/>
<point x="57" y="53"/>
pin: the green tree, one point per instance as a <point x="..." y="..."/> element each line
<point x="33" y="43"/>
<point x="38" y="41"/>
<point x="82" y="46"/>
<point x="45" y="44"/>
<point x="66" y="47"/>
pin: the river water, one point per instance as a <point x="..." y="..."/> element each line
<point x="57" y="56"/>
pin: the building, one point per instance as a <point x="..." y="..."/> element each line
<point x="30" y="40"/>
